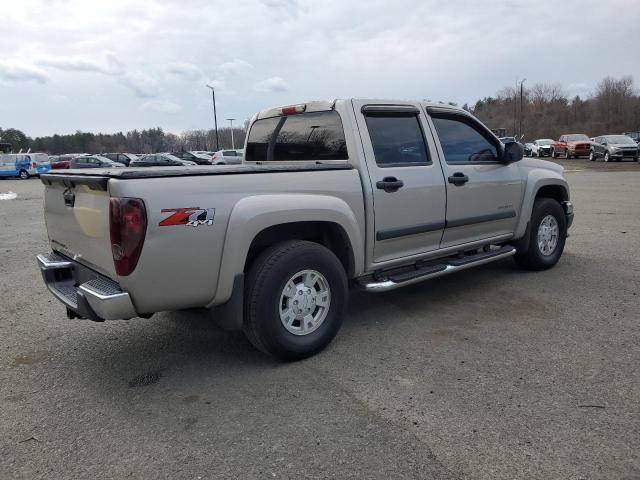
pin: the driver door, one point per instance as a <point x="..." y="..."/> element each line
<point x="484" y="194"/>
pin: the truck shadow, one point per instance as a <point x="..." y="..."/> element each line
<point x="185" y="350"/>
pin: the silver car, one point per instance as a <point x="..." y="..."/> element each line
<point x="228" y="157"/>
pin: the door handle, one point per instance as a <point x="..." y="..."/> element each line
<point x="389" y="184"/>
<point x="458" y="179"/>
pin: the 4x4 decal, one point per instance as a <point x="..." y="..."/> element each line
<point x="192" y="216"/>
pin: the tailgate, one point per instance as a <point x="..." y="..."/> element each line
<point x="76" y="213"/>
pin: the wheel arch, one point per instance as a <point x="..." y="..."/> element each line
<point x="540" y="184"/>
<point x="327" y="233"/>
<point x="259" y="221"/>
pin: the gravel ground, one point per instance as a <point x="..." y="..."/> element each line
<point x="492" y="373"/>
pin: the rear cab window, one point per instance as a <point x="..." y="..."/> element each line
<point x="312" y="136"/>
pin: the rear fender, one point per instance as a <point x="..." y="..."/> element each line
<point x="251" y="215"/>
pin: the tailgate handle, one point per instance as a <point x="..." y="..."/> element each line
<point x="69" y="198"/>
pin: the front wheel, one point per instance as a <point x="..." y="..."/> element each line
<point x="592" y="157"/>
<point x="24" y="175"/>
<point x="606" y="157"/>
<point x="295" y="299"/>
<point x="547" y="234"/>
<point x="553" y="154"/>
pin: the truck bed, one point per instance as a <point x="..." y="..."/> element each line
<point x="159" y="172"/>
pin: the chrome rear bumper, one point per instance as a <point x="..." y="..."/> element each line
<point x="84" y="292"/>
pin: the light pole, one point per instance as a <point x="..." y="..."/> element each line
<point x="233" y="145"/>
<point x="521" y="108"/>
<point x="215" y="116"/>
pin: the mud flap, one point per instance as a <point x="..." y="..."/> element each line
<point x="230" y="315"/>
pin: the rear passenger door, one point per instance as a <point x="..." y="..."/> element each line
<point x="408" y="186"/>
<point x="484" y="194"/>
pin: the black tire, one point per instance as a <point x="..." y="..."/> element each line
<point x="566" y="154"/>
<point x="606" y="157"/>
<point x="24" y="175"/>
<point x="553" y="154"/>
<point x="533" y="258"/>
<point x="264" y="285"/>
<point x="592" y="156"/>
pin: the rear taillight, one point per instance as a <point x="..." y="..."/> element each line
<point x="127" y="226"/>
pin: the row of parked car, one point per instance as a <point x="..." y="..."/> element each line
<point x="25" y="165"/>
<point x="165" y="159"/>
<point x="177" y="159"/>
<point x="607" y="147"/>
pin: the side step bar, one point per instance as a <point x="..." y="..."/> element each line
<point x="448" y="266"/>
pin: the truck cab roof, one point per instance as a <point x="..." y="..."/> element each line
<point x="324" y="105"/>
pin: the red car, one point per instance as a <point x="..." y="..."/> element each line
<point x="60" y="161"/>
<point x="573" y="145"/>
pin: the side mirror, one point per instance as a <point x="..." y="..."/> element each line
<point x="513" y="152"/>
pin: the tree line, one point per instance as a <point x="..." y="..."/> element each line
<point x="150" y="140"/>
<point x="541" y="111"/>
<point x="545" y="110"/>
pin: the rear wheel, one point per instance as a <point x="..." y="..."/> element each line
<point x="553" y="154"/>
<point x="295" y="299"/>
<point x="24" y="174"/>
<point x="548" y="232"/>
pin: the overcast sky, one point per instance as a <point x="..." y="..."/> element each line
<point x="69" y="65"/>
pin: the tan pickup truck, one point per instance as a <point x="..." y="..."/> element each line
<point x="370" y="194"/>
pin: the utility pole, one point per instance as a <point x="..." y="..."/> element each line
<point x="215" y="116"/>
<point x="515" y="107"/>
<point x="233" y="144"/>
<point x="521" y="108"/>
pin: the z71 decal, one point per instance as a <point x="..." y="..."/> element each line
<point x="191" y="217"/>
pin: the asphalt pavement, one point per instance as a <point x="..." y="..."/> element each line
<point x="491" y="373"/>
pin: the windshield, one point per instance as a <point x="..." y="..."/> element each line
<point x="544" y="142"/>
<point x="172" y="157"/>
<point x="620" y="139"/>
<point x="577" y="137"/>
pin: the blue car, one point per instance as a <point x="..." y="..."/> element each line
<point x="14" y="165"/>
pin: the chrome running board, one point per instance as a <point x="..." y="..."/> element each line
<point x="448" y="265"/>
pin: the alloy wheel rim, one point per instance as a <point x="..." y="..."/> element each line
<point x="304" y="302"/>
<point x="548" y="235"/>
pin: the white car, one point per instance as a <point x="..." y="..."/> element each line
<point x="541" y="147"/>
<point x="228" y="157"/>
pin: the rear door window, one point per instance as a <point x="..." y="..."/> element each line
<point x="314" y="136"/>
<point x="397" y="140"/>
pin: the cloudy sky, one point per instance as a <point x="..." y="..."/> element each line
<point x="69" y="65"/>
